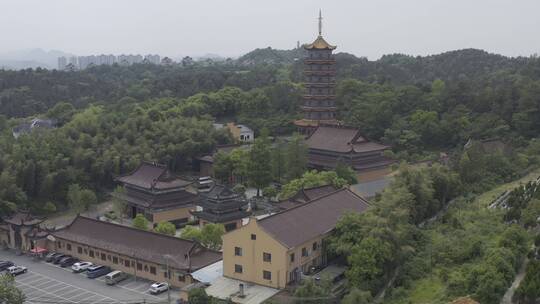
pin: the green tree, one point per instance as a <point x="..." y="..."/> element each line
<point x="279" y="165"/>
<point x="9" y="293"/>
<point x="346" y="173"/>
<point x="357" y="296"/>
<point x="311" y="291"/>
<point x="198" y="296"/>
<point x="49" y="208"/>
<point x="259" y="165"/>
<point x="296" y="157"/>
<point x="222" y="166"/>
<point x="191" y="233"/>
<point x="311" y="179"/>
<point x="529" y="289"/>
<point x="119" y="205"/>
<point x="140" y="222"/>
<point x="165" y="228"/>
<point x="74" y="198"/>
<point x="211" y="235"/>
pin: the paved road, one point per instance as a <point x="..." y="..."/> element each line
<point x="507" y="298"/>
<point x="47" y="283"/>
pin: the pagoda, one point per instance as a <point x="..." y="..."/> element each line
<point x="158" y="194"/>
<point x="318" y="105"/>
<point x="221" y="205"/>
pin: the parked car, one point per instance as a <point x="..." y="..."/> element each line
<point x="68" y="261"/>
<point x="51" y="256"/>
<point x="59" y="257"/>
<point x="158" y="287"/>
<point x="80" y="266"/>
<point x="5" y="265"/>
<point x="115" y="277"/>
<point x="96" y="271"/>
<point x="16" y="270"/>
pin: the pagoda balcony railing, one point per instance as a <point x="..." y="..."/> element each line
<point x="319" y="96"/>
<point x="320" y="61"/>
<point x="320" y="72"/>
<point x="319" y="109"/>
<point x="319" y="84"/>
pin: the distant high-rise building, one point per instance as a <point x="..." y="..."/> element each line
<point x="62" y="62"/>
<point x="155" y="59"/>
<point x="73" y="61"/>
<point x="83" y="62"/>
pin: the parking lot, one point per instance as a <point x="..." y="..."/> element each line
<point x="47" y="283"/>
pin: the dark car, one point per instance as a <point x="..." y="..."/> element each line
<point x="97" y="271"/>
<point x="51" y="256"/>
<point x="5" y="265"/>
<point x="68" y="261"/>
<point x="59" y="257"/>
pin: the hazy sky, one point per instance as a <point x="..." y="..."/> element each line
<point x="232" y="27"/>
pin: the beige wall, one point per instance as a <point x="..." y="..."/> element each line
<point x="173" y="214"/>
<point x="252" y="256"/>
<point x="145" y="272"/>
<point x="304" y="263"/>
<point x="235" y="131"/>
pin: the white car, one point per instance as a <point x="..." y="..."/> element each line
<point x="81" y="266"/>
<point x="15" y="270"/>
<point x="158" y="287"/>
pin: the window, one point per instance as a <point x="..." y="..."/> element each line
<point x="79" y="250"/>
<point x="152" y="270"/>
<point x="126" y="263"/>
<point x="267" y="257"/>
<point x="304" y="252"/>
<point x="103" y="256"/>
<point x="292" y="257"/>
<point x="139" y="266"/>
<point x="167" y="274"/>
<point x="91" y="253"/>
<point x="237" y="251"/>
<point x="68" y="247"/>
<point x="315" y="246"/>
<point x="60" y="244"/>
<point x="253" y="236"/>
<point x="181" y="278"/>
<point x="115" y="260"/>
<point x="267" y="275"/>
<point x="238" y="268"/>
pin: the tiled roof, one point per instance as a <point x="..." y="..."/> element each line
<point x="23" y="218"/>
<point x="300" y="224"/>
<point x="341" y="139"/>
<point x="319" y="44"/>
<point x="153" y="176"/>
<point x="145" y="245"/>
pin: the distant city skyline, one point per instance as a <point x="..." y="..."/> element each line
<point x="368" y="28"/>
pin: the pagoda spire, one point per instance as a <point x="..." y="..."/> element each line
<point x="320" y="22"/>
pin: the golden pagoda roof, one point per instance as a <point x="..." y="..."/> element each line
<point x="319" y="44"/>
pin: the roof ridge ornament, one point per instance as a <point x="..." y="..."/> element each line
<point x="320" y="23"/>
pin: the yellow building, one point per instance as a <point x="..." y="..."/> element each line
<point x="275" y="250"/>
<point x="138" y="252"/>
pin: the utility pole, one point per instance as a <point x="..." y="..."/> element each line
<point x="168" y="279"/>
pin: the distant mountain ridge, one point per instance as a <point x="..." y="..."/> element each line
<point x="31" y="58"/>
